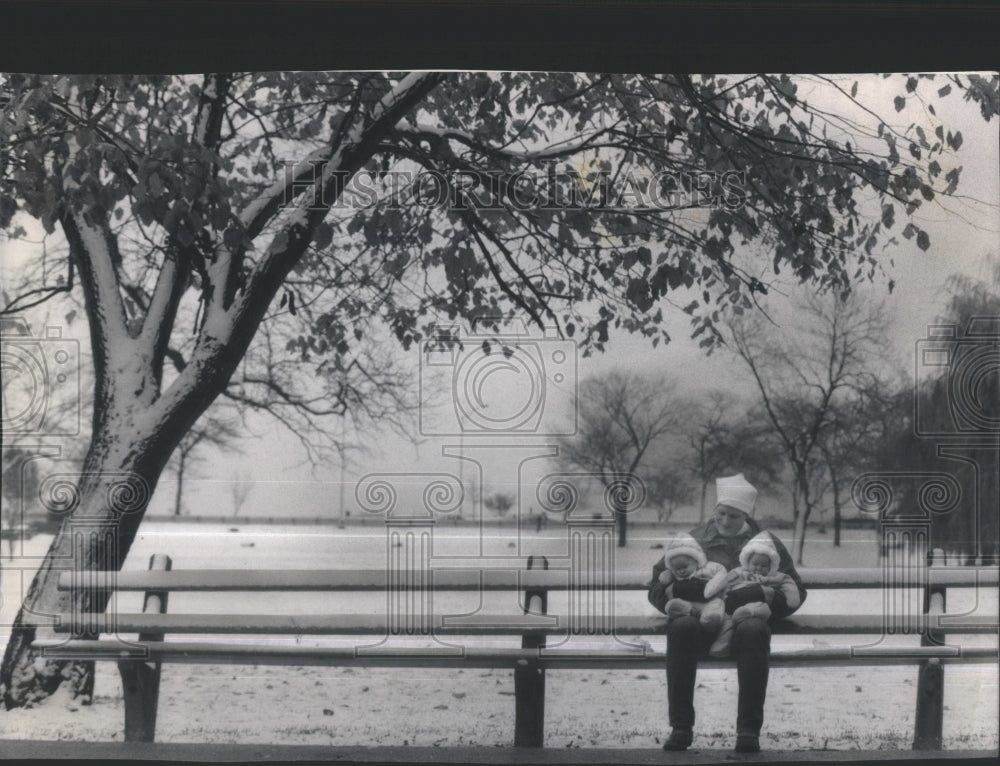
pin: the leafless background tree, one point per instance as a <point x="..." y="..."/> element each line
<point x="809" y="379"/>
<point x="725" y="436"/>
<point x="240" y="488"/>
<point x="621" y="416"/>
<point x="190" y="455"/>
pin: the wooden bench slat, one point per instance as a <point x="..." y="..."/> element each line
<point x="475" y="657"/>
<point x="479" y="624"/>
<point x="390" y="638"/>
<point x="465" y="579"/>
<point x="463" y="755"/>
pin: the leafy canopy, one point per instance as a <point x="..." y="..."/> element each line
<point x="212" y="173"/>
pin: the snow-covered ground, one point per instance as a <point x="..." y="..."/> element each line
<point x="838" y="708"/>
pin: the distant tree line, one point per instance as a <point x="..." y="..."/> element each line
<point x="950" y="423"/>
<point x="830" y="406"/>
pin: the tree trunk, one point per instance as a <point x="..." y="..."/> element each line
<point x="704" y="493"/>
<point x="180" y="484"/>
<point x="802" y="518"/>
<point x="836" y="514"/>
<point x="801" y="542"/>
<point x="795" y="514"/>
<point x="102" y="513"/>
<point x="11" y="530"/>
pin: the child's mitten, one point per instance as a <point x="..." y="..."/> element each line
<point x="712" y="615"/>
<point x="757" y="609"/>
<point x="677" y="607"/>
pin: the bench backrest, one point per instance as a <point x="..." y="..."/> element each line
<point x="491" y="579"/>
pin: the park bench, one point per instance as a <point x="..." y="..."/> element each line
<point x="548" y="641"/>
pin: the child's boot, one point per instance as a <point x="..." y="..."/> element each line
<point x="722" y="643"/>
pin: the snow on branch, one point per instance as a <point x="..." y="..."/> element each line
<point x="94" y="250"/>
<point x="211" y="108"/>
<point x="348" y="150"/>
<point x="262" y="210"/>
<point x="170" y="285"/>
<point x="565" y="148"/>
<point x="258" y="213"/>
<point x="227" y="331"/>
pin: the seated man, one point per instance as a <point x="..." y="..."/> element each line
<point x="723" y="538"/>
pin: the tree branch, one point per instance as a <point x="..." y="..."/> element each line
<point x="47" y="293"/>
<point x="95" y="252"/>
<point x="352" y="151"/>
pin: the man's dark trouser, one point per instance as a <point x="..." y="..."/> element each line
<point x="751" y="647"/>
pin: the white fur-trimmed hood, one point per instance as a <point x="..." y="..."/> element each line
<point x="685" y="545"/>
<point x="761" y="543"/>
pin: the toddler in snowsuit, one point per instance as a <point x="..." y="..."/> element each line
<point x="689" y="578"/>
<point x="748" y="590"/>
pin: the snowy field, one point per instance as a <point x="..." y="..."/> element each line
<point x="836" y="708"/>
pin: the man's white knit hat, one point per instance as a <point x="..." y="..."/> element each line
<point x="736" y="492"/>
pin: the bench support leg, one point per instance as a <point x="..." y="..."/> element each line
<point x="529" y="678"/>
<point x="929" y="724"/>
<point x="141" y="680"/>
<point x="930" y="706"/>
<point x="141" y="684"/>
<point x="529" y="704"/>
